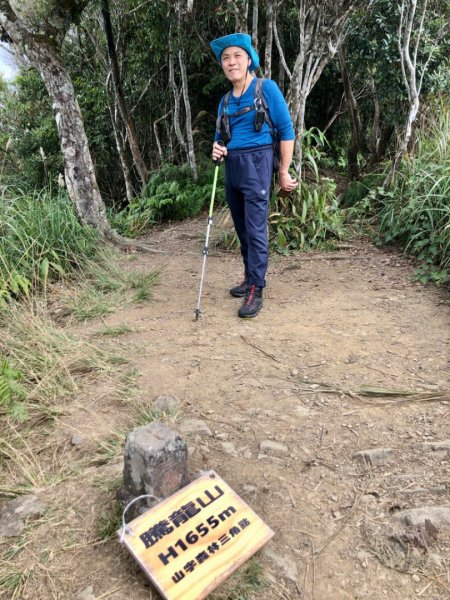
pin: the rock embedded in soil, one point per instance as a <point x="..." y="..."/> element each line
<point x="195" y="426"/>
<point x="444" y="445"/>
<point x="439" y="516"/>
<point x="13" y="514"/>
<point x="167" y="404"/>
<point x="229" y="448"/>
<point x="77" y="440"/>
<point x="286" y="566"/>
<point x="272" y="447"/>
<point x="155" y="461"/>
<point x="374" y="456"/>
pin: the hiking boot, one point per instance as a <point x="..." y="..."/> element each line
<point x="240" y="291"/>
<point x="252" y="304"/>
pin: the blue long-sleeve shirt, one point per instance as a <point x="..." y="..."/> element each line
<point x="243" y="133"/>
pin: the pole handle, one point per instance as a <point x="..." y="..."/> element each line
<point x="218" y="160"/>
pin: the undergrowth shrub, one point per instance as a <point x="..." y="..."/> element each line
<point x="41" y="240"/>
<point x="310" y="215"/>
<point x="416" y="211"/>
<point x="170" y="195"/>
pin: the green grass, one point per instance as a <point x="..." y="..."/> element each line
<point x="416" y="210"/>
<point x="115" y="331"/>
<point x="41" y="240"/>
<point x="102" y="287"/>
<point x="244" y="583"/>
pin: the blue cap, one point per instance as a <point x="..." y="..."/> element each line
<point x="241" y="40"/>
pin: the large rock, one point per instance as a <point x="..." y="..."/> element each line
<point x="13" y="514"/>
<point x="155" y="461"/>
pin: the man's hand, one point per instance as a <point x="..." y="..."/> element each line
<point x="287" y="183"/>
<point x="218" y="151"/>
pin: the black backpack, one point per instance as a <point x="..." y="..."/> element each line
<point x="262" y="115"/>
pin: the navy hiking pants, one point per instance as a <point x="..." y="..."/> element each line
<point x="248" y="177"/>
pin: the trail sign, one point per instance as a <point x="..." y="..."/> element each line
<point x="191" y="542"/>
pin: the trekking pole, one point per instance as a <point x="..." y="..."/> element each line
<point x="205" y="248"/>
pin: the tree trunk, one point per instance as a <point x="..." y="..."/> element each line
<point x="255" y="24"/>
<point x="413" y="83"/>
<point x="176" y="107"/>
<point x="322" y="29"/>
<point x="269" y="40"/>
<point x="375" y="133"/>
<point x="78" y="167"/>
<point x="122" y="153"/>
<point x="131" y="130"/>
<point x="241" y="15"/>
<point x="187" y="107"/>
<point x="355" y="121"/>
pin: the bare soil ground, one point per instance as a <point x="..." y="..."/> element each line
<point x="331" y="324"/>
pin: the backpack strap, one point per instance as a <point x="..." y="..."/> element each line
<point x="261" y="104"/>
<point x="223" y="120"/>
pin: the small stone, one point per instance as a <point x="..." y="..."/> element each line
<point x="374" y="456"/>
<point x="229" y="448"/>
<point x="294" y="372"/>
<point x="86" y="594"/>
<point x="77" y="440"/>
<point x="204" y="449"/>
<point x="440" y="456"/>
<point x="222" y="436"/>
<point x="434" y="446"/>
<point x="415" y="578"/>
<point x="286" y="565"/>
<point x="363" y="557"/>
<point x="195" y="426"/>
<point x="167" y="404"/>
<point x="272" y="447"/>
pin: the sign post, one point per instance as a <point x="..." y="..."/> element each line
<point x="191" y="542"/>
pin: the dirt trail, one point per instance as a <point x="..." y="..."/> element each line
<point x="348" y="318"/>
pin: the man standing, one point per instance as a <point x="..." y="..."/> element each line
<point x="248" y="133"/>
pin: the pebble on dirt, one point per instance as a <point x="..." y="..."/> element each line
<point x="374" y="456"/>
<point x="167" y="404"/>
<point x="271" y="447"/>
<point x="195" y="426"/>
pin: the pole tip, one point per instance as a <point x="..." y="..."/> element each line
<point x="197" y="313"/>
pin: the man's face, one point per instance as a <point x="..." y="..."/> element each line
<point x="235" y="62"/>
